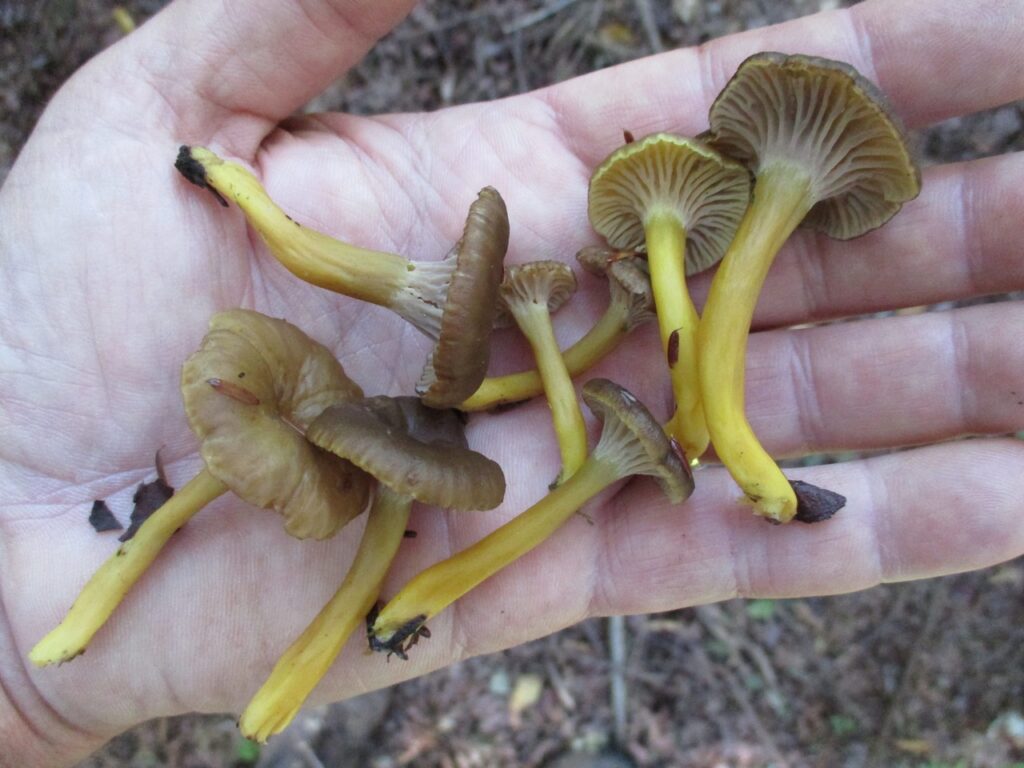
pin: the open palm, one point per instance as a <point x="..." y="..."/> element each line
<point x="112" y="265"/>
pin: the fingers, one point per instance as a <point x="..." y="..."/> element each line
<point x="214" y="64"/>
<point x="932" y="58"/>
<point x="959" y="239"/>
<point x="921" y="513"/>
<point x="888" y="382"/>
<point x="870" y="384"/>
<point x="867" y="385"/>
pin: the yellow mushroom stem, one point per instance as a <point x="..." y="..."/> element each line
<point x="111" y="582"/>
<point x="309" y="658"/>
<point x="534" y="321"/>
<point x="610" y="329"/>
<point x="677" y="324"/>
<point x="782" y="198"/>
<point x="434" y="589"/>
<point x="373" y="276"/>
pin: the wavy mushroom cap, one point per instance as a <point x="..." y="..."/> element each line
<point x="458" y="362"/>
<point x="666" y="174"/>
<point x="823" y="116"/>
<point x="415" y="450"/>
<point x="550" y="283"/>
<point x="634" y="442"/>
<point x="628" y="280"/>
<point x="630" y="284"/>
<point x="250" y="391"/>
<point x="596" y="259"/>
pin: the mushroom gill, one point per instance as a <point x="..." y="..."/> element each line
<point x="631" y="305"/>
<point x="632" y="443"/>
<point x="254" y="384"/>
<point x="682" y="201"/>
<point x="826" y="151"/>
<point x="452" y="301"/>
<point x="415" y="452"/>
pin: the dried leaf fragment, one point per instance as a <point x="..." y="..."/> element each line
<point x="102" y="519"/>
<point x="148" y="498"/>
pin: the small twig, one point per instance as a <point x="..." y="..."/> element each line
<point x="739" y="695"/>
<point x="308" y="755"/>
<point x="936" y="606"/>
<point x="529" y="19"/>
<point x="712" y="617"/>
<point x="592" y="632"/>
<point x="522" y="80"/>
<point x="764" y="665"/>
<point x="895" y="612"/>
<point x="619" y="692"/>
<point x="565" y="697"/>
<point x="429" y="25"/>
<point x="650" y="25"/>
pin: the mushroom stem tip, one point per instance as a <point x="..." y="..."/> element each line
<point x="112" y="580"/>
<point x="677" y="323"/>
<point x="781" y="200"/>
<point x="311" y="655"/>
<point x="190" y="166"/>
<point x="434" y="589"/>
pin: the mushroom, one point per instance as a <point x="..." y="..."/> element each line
<point x="250" y="391"/>
<point x="452" y="301"/>
<point x="631" y="305"/>
<point x="684" y="201"/>
<point x="825" y="151"/>
<point x="416" y="453"/>
<point x="529" y="294"/>
<point x="631" y="443"/>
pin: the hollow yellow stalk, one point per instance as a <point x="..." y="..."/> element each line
<point x="368" y="275"/>
<point x="111" y="582"/>
<point x="677" y="325"/>
<point x="610" y="329"/>
<point x="432" y="590"/>
<point x="781" y="200"/>
<point x="309" y="658"/>
<point x="534" y="321"/>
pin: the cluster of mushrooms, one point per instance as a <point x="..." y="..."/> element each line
<point x="793" y="140"/>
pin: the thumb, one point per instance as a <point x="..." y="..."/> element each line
<point x="232" y="69"/>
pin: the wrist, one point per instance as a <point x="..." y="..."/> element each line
<point x="32" y="732"/>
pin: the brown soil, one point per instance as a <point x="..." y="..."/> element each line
<point x="922" y="674"/>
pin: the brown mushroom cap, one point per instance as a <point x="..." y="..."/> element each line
<point x="630" y="284"/>
<point x="536" y="282"/>
<point x="250" y="391"/>
<point x="663" y="173"/>
<point x="628" y="280"/>
<point x="596" y="259"/>
<point x="458" y="362"/>
<point x="415" y="450"/>
<point x="634" y="442"/>
<point x="825" y="117"/>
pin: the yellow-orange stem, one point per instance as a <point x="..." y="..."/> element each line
<point x="570" y="429"/>
<point x="610" y="329"/>
<point x="373" y="276"/>
<point x="434" y="589"/>
<point x="309" y="658"/>
<point x="677" y="324"/>
<point x="781" y="200"/>
<point x="112" y="580"/>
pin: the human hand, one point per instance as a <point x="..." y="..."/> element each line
<point x="112" y="266"/>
